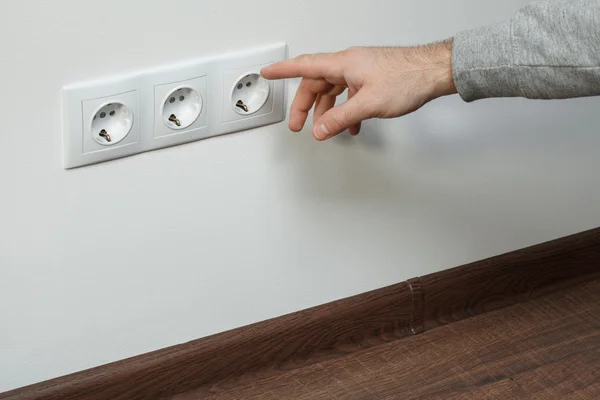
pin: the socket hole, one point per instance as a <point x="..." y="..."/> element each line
<point x="117" y="127"/>
<point x="186" y="111"/>
<point x="249" y="94"/>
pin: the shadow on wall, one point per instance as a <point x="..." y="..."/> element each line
<point x="344" y="167"/>
<point x="513" y="165"/>
<point x="449" y="131"/>
<point x="398" y="156"/>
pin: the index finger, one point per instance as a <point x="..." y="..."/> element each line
<point x="314" y="66"/>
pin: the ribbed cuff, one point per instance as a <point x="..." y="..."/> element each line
<point x="482" y="63"/>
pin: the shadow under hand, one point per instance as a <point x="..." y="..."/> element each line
<point x="344" y="168"/>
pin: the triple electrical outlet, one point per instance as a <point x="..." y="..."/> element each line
<point x="170" y="105"/>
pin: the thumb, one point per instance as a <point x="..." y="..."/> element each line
<point x="339" y="118"/>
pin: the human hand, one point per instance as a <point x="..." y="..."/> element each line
<point x="382" y="82"/>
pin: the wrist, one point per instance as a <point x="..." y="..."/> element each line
<point x="440" y="69"/>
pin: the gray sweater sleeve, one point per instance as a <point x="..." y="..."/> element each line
<point x="548" y="50"/>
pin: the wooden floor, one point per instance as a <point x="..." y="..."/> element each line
<point x="547" y="348"/>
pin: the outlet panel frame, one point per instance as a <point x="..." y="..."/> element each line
<point x="212" y="70"/>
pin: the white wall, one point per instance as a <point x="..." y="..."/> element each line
<point x="253" y="225"/>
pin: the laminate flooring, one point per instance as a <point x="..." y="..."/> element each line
<point x="546" y="348"/>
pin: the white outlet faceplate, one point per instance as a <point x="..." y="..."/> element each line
<point x="140" y="109"/>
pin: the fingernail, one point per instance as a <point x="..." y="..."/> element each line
<point x="321" y="132"/>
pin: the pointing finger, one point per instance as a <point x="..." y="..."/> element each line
<point x="313" y="66"/>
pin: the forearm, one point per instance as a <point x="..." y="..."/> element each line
<point x="549" y="50"/>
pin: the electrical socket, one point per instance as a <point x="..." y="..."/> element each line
<point x="110" y="122"/>
<point x="81" y="139"/>
<point x="170" y="105"/>
<point x="243" y="101"/>
<point x="180" y="107"/>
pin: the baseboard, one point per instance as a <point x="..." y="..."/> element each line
<point x="335" y="329"/>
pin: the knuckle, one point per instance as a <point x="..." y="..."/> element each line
<point x="343" y="53"/>
<point x="354" y="49"/>
<point x="306" y="58"/>
<point x="301" y="58"/>
<point x="373" y="107"/>
<point x="338" y="120"/>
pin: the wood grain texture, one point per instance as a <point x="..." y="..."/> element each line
<point x="234" y="357"/>
<point x="511" y="278"/>
<point x="547" y="348"/>
<point x="333" y="331"/>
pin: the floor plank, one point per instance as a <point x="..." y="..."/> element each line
<point x="546" y="348"/>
